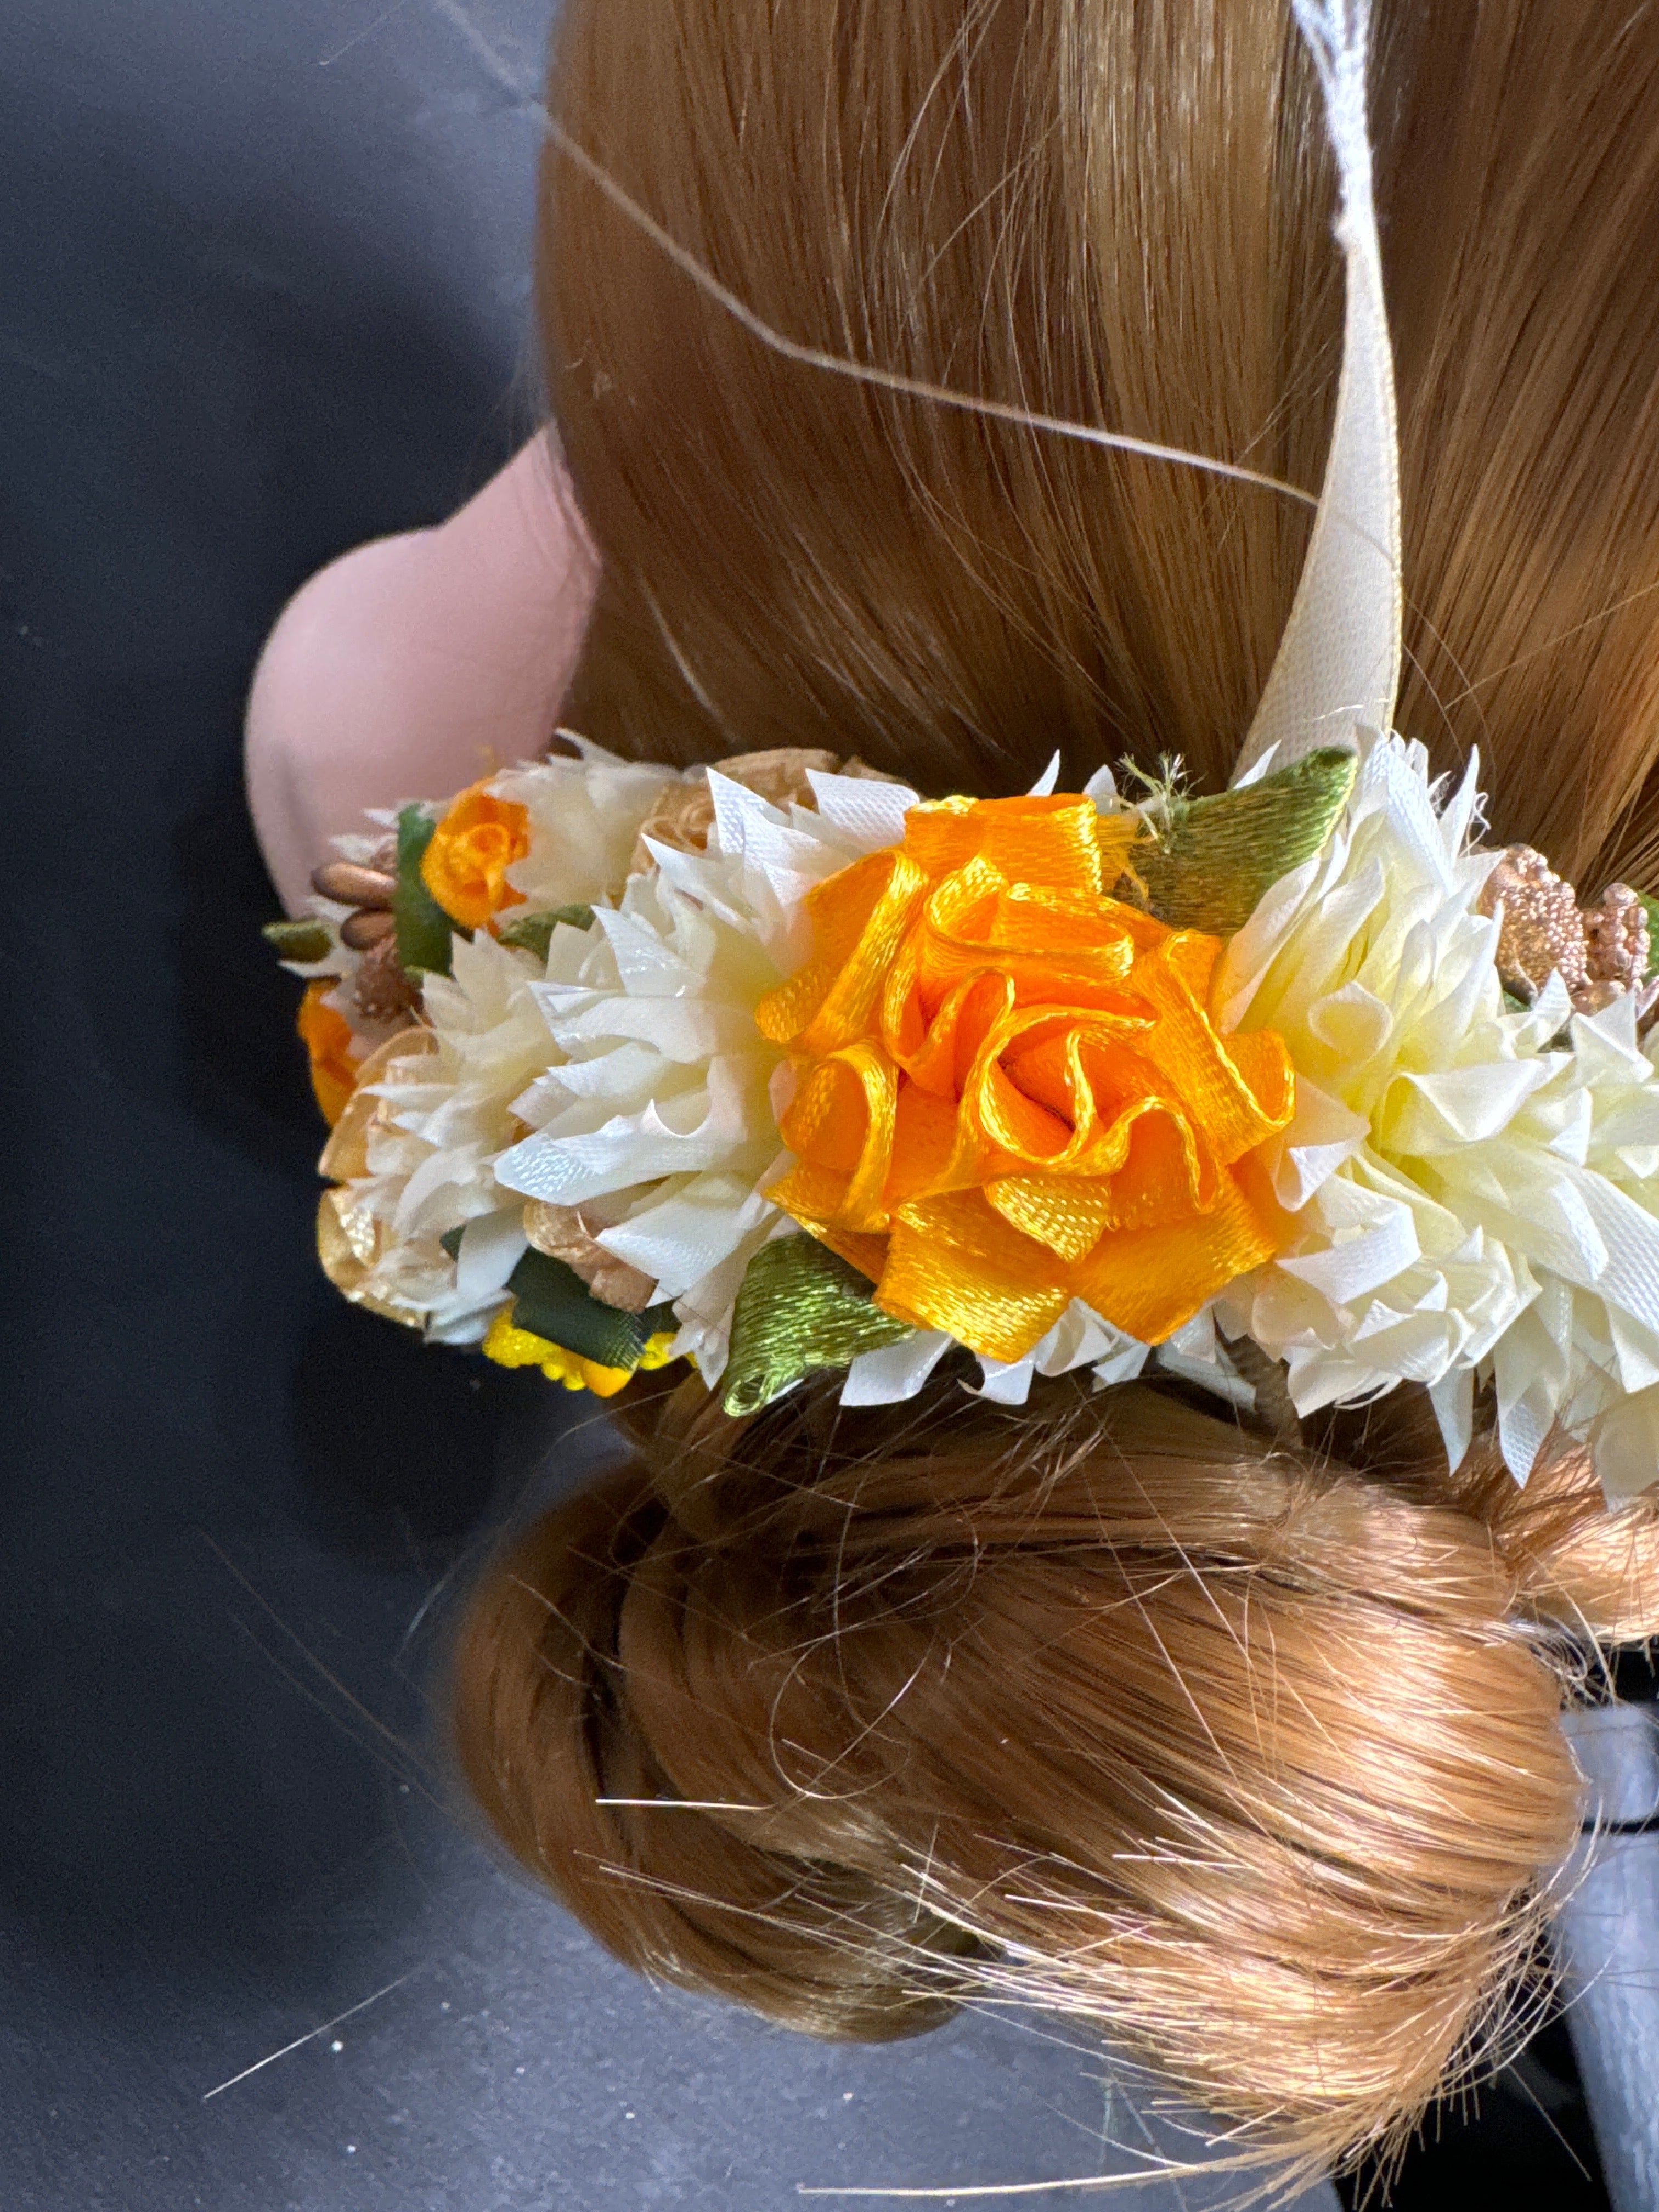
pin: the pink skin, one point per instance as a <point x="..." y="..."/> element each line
<point x="415" y="664"/>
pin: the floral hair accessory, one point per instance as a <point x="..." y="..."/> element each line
<point x="778" y="1068"/>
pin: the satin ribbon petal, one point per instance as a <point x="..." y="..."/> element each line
<point x="859" y="918"/>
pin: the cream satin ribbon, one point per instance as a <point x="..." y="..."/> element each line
<point x="1337" y="669"/>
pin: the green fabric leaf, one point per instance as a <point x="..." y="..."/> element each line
<point x="551" y="1300"/>
<point x="1214" y="858"/>
<point x="304" y="941"/>
<point x="533" y="932"/>
<point x="801" y="1308"/>
<point x="1650" y="908"/>
<point x="425" y="930"/>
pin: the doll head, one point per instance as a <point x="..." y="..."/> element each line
<point x="1242" y="1746"/>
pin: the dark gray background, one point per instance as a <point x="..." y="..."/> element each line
<point x="263" y="294"/>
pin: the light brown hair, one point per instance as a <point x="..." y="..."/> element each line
<point x="1249" y="1754"/>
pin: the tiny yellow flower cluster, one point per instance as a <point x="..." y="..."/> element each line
<point x="511" y="1347"/>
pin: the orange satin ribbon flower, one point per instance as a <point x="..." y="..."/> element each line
<point x="1009" y="1094"/>
<point x="465" y="866"/>
<point x="326" y="1037"/>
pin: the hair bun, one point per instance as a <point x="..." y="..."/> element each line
<point x="1236" y="1758"/>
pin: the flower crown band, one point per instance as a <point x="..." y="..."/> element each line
<point x="782" y="1068"/>
<point x="839" y="1078"/>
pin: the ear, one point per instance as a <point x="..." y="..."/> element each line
<point x="408" y="668"/>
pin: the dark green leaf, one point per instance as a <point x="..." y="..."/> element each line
<point x="552" y="1301"/>
<point x="1650" y="908"/>
<point x="304" y="941"/>
<point x="425" y="930"/>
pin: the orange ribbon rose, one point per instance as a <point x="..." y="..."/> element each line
<point x="465" y="866"/>
<point x="1009" y="1094"/>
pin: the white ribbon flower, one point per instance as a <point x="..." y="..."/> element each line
<point x="1476" y="1190"/>
<point x="445" y="1116"/>
<point x="654" y="1091"/>
<point x="584" y="816"/>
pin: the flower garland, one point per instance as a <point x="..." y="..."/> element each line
<point x="601" y="1043"/>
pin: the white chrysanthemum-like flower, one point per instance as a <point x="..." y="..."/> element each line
<point x="444" y="1117"/>
<point x="657" y="1098"/>
<point x="1475" y="1189"/>
<point x="653" y="1094"/>
<point x="444" y="1112"/>
<point x="584" y="816"/>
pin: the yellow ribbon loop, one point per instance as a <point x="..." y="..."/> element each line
<point x="1009" y="1091"/>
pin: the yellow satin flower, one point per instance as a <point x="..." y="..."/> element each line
<point x="465" y="866"/>
<point x="1009" y="1093"/>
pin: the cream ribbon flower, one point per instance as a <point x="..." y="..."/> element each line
<point x="656" y="1092"/>
<point x="439" y="1111"/>
<point x="583" y="815"/>
<point x="1476" y="1188"/>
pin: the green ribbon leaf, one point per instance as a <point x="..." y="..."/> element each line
<point x="304" y="941"/>
<point x="551" y="1300"/>
<point x="801" y="1308"/>
<point x="533" y="932"/>
<point x="1211" y="860"/>
<point x="425" y="930"/>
